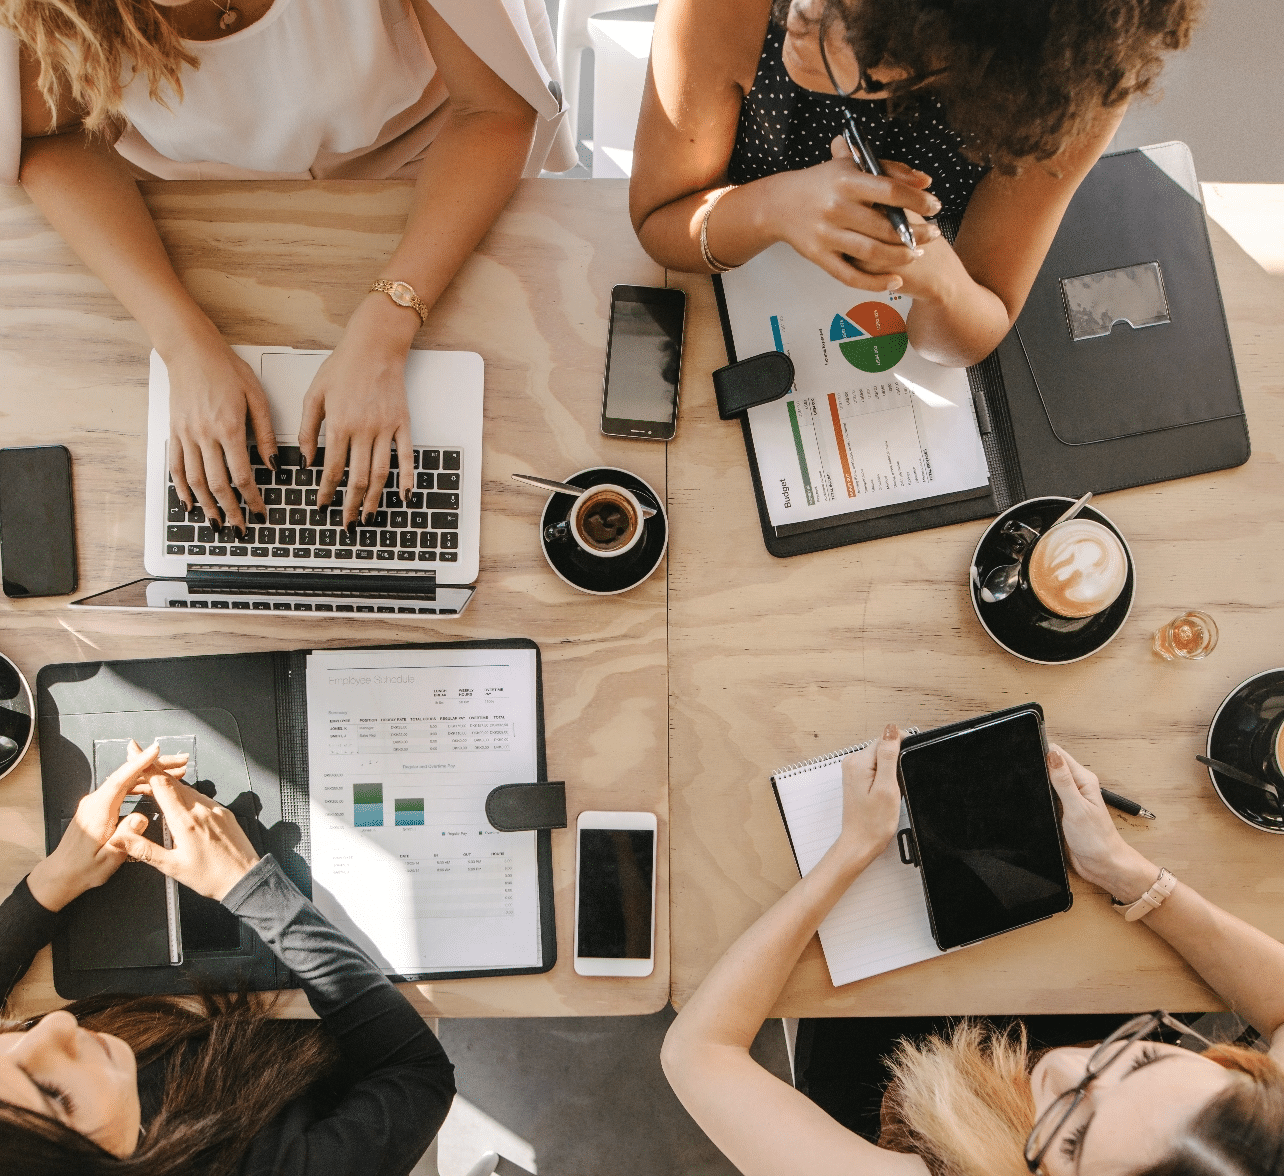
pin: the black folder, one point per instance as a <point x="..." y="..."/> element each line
<point x="1078" y="396"/>
<point x="115" y="937"/>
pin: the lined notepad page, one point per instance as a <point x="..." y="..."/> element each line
<point x="881" y="923"/>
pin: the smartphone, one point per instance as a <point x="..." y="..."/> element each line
<point x="643" y="363"/>
<point x="615" y="894"/>
<point x="37" y="524"/>
<point x="985" y="827"/>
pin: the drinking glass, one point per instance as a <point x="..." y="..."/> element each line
<point x="1190" y="637"/>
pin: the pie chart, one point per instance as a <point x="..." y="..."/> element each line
<point x="871" y="336"/>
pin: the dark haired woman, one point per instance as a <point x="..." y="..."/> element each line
<point x="989" y="113"/>
<point x="164" y="1085"/>
<point x="971" y="1104"/>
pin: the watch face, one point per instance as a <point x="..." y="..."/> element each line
<point x="402" y="294"/>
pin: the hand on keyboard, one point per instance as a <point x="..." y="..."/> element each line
<point x="360" y="392"/>
<point x="211" y="389"/>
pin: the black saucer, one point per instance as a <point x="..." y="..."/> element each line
<point x="593" y="574"/>
<point x="16" y="726"/>
<point x="1017" y="623"/>
<point x="1241" y="735"/>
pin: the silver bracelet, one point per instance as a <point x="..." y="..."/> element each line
<point x="712" y="262"/>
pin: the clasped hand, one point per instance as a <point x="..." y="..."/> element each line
<point x="210" y="851"/>
<point x="828" y="214"/>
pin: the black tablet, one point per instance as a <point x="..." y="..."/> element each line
<point x="985" y="827"/>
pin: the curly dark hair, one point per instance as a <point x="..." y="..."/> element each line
<point x="1018" y="78"/>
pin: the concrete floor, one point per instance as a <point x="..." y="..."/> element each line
<point x="577" y="1097"/>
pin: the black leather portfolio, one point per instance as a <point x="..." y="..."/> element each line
<point x="1117" y="373"/>
<point x="250" y="718"/>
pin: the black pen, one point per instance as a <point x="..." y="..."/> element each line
<point x="1124" y="805"/>
<point x="864" y="159"/>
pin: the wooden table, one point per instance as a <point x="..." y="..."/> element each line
<point x="772" y="661"/>
<point x="285" y="263"/>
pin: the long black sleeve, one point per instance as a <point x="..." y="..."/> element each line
<point x="25" y="927"/>
<point x="398" y="1078"/>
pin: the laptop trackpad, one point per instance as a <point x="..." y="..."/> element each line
<point x="286" y="377"/>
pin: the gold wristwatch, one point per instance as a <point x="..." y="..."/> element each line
<point x="403" y="294"/>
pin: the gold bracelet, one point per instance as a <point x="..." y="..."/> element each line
<point x="712" y="262"/>
<point x="403" y="294"/>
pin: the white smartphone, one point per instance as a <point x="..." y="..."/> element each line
<point x="615" y="894"/>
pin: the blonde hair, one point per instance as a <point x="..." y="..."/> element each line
<point x="94" y="48"/>
<point x="965" y="1105"/>
<point x="965" y="1101"/>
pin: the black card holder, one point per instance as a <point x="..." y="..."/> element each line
<point x="760" y="379"/>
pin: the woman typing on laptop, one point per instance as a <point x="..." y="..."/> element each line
<point x="976" y="1102"/>
<point x="453" y="93"/>
<point x="171" y="1085"/>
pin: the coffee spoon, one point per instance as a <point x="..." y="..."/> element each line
<point x="1074" y="510"/>
<point x="1242" y="776"/>
<point x="1001" y="583"/>
<point x="563" y="488"/>
<point x="1003" y="580"/>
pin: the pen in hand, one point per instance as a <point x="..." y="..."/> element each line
<point x="1124" y="805"/>
<point x="864" y="159"/>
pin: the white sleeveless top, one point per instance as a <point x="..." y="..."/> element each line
<point x="310" y="76"/>
<point x="322" y="89"/>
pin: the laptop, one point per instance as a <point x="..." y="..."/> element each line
<point x="419" y="557"/>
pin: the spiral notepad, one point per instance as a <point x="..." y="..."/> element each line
<point x="881" y="923"/>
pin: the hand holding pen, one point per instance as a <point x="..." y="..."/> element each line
<point x="864" y="159"/>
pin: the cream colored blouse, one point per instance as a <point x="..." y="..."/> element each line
<point x="322" y="89"/>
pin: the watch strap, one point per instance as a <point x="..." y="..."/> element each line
<point x="1152" y="900"/>
<point x="386" y="286"/>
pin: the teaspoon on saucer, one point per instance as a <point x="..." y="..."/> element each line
<point x="563" y="488"/>
<point x="1002" y="581"/>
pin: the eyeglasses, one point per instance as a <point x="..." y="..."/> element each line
<point x="864" y="81"/>
<point x="1049" y="1124"/>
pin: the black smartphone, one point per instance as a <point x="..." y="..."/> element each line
<point x="37" y="522"/>
<point x="985" y="827"/>
<point x="643" y="363"/>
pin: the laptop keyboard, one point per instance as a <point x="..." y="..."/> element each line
<point x="424" y="531"/>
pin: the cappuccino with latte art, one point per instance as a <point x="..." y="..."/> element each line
<point x="1078" y="568"/>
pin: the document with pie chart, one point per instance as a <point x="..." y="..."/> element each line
<point x="869" y="424"/>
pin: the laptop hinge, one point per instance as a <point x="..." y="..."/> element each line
<point x="312" y="580"/>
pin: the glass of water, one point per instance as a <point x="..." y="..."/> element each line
<point x="1191" y="636"/>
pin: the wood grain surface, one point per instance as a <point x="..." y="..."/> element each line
<point x="285" y="264"/>
<point x="772" y="661"/>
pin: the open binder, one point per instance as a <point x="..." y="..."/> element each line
<point x="249" y="714"/>
<point x="1117" y="373"/>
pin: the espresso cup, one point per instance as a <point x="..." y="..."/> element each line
<point x="1077" y="568"/>
<point x="606" y="521"/>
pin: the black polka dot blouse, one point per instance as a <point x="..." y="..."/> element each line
<point x="784" y="127"/>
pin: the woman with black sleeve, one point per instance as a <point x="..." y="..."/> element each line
<point x="168" y="1084"/>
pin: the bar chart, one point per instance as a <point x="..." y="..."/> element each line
<point x="367" y="805"/>
<point x="408" y="810"/>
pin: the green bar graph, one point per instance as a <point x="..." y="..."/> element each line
<point x="367" y="805"/>
<point x="408" y="810"/>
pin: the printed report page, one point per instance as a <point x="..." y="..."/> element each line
<point x="404" y="746"/>
<point x="869" y="423"/>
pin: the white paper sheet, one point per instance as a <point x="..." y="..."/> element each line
<point x="881" y="922"/>
<point x="870" y="422"/>
<point x="404" y="745"/>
